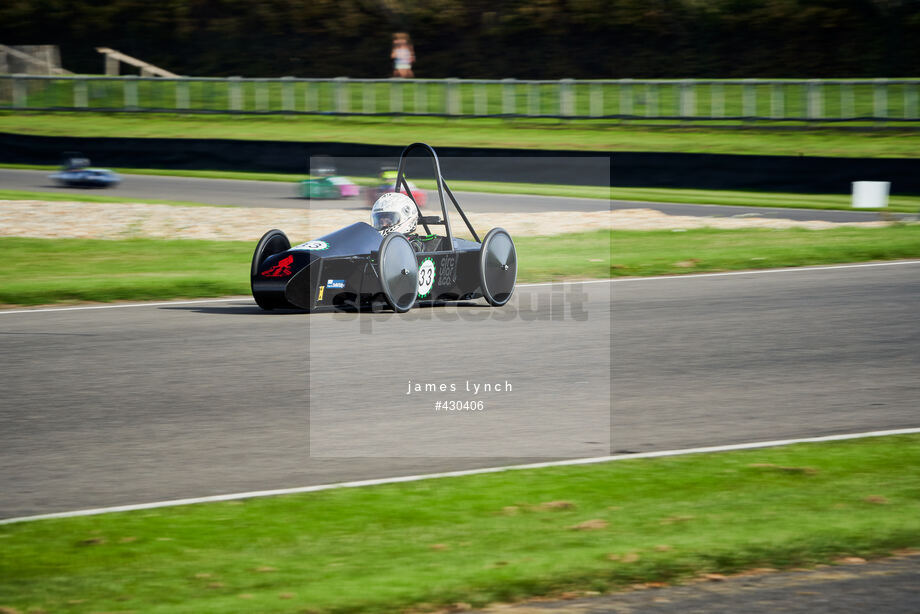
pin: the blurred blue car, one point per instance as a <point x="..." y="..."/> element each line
<point x="76" y="172"/>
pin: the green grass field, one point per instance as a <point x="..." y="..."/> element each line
<point x="478" y="539"/>
<point x="603" y="135"/>
<point x="148" y="269"/>
<point x="671" y="252"/>
<point x="142" y="269"/>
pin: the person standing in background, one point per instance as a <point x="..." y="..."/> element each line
<point x="403" y="56"/>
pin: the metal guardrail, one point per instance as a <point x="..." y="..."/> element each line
<point x="688" y="100"/>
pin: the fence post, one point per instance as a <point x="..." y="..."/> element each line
<point x="262" y="95"/>
<point x="847" y="101"/>
<point x="341" y="100"/>
<point x="182" y="94"/>
<point x="130" y="91"/>
<point x="910" y="101"/>
<point x="596" y="100"/>
<point x="111" y="66"/>
<point x="509" y="105"/>
<point x="749" y="98"/>
<point x="880" y="99"/>
<point x="716" y="100"/>
<point x="652" y="105"/>
<point x="19" y="91"/>
<point x="287" y="94"/>
<point x="480" y="100"/>
<point x="533" y="99"/>
<point x="236" y="94"/>
<point x="311" y="96"/>
<point x="368" y="98"/>
<point x="80" y="94"/>
<point x="777" y="100"/>
<point x="814" y="99"/>
<point x="452" y="97"/>
<point x="421" y="97"/>
<point x="626" y="97"/>
<point x="566" y="97"/>
<point x="687" y="98"/>
<point x="396" y="96"/>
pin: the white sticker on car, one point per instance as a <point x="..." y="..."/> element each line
<point x="426" y="275"/>
<point x="315" y="246"/>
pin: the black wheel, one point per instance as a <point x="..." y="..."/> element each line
<point x="497" y="267"/>
<point x="272" y="242"/>
<point x="398" y="272"/>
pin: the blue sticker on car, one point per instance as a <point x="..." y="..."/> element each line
<point x="335" y="283"/>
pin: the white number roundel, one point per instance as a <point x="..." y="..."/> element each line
<point x="315" y="246"/>
<point x="426" y="275"/>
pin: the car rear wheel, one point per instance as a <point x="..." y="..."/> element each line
<point x="398" y="271"/>
<point x="497" y="267"/>
<point x="272" y="242"/>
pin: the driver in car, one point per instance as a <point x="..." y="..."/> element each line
<point x="395" y="212"/>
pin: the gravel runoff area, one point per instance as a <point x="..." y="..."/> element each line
<point x="32" y="218"/>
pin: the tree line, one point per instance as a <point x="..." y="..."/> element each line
<point x="545" y="39"/>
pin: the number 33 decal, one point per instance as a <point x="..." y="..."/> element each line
<point x="426" y="275"/>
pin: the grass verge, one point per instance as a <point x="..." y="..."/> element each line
<point x="670" y="252"/>
<point x="152" y="269"/>
<point x="477" y="539"/>
<point x="586" y="135"/>
<point x="132" y="269"/>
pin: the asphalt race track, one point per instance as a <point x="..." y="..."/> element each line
<point x="137" y="404"/>
<point x="282" y="195"/>
<point x="273" y="193"/>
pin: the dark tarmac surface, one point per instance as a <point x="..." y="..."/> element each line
<point x="275" y="194"/>
<point x="129" y="405"/>
<point x="886" y="586"/>
<point x="758" y="356"/>
<point x="280" y="194"/>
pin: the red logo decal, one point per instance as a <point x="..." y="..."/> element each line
<point x="282" y="269"/>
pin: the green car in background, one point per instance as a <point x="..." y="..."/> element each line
<point x="334" y="187"/>
<point x="326" y="184"/>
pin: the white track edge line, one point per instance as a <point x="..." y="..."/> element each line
<point x="226" y="300"/>
<point x="617" y="280"/>
<point x="565" y="281"/>
<point x="766" y="271"/>
<point x="449" y="474"/>
<point x="123" y="305"/>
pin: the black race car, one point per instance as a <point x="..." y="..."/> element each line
<point x="357" y="268"/>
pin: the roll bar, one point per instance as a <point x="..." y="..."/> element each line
<point x="442" y="188"/>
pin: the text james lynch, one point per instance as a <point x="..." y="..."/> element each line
<point x="469" y="386"/>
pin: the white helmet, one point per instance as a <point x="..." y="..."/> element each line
<point x="394" y="212"/>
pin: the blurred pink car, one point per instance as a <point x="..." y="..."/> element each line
<point x="347" y="189"/>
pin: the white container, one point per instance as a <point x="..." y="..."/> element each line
<point x="870" y="194"/>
